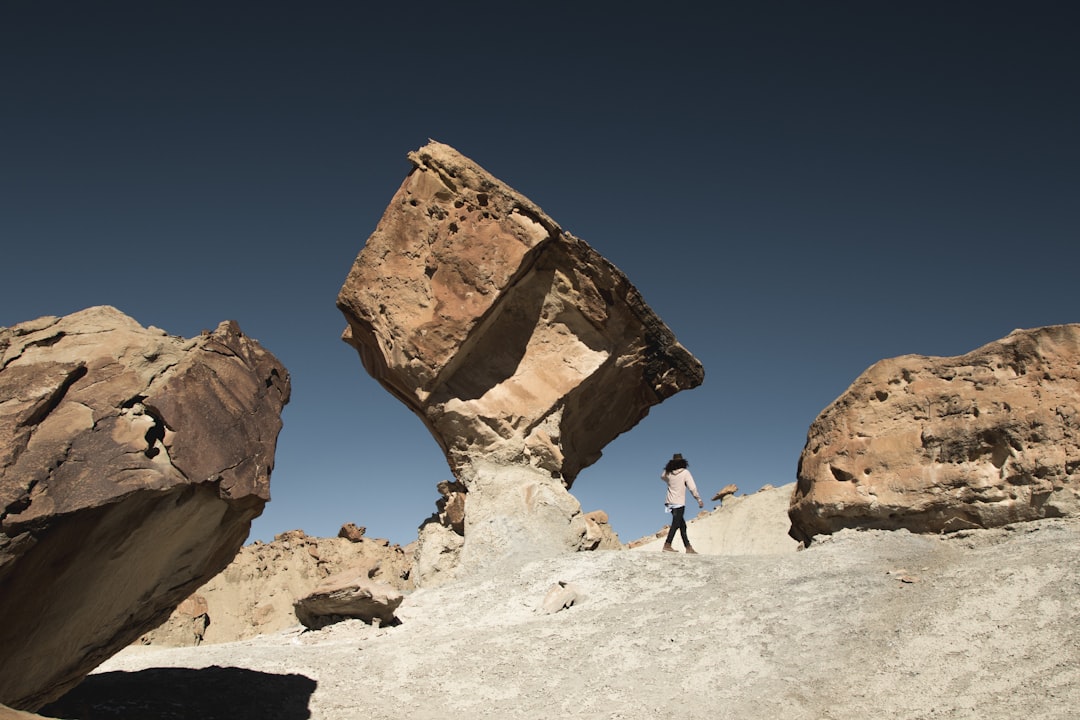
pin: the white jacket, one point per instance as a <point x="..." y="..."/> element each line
<point x="678" y="482"/>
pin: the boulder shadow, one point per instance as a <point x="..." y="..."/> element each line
<point x="209" y="693"/>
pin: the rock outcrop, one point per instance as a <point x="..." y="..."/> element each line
<point x="131" y="466"/>
<point x="522" y="349"/>
<point x="256" y="593"/>
<point x="599" y="535"/>
<point x="939" y="444"/>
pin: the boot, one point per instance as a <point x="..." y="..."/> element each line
<point x="690" y="550"/>
<point x="668" y="548"/>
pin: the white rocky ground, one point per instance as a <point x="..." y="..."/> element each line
<point x="978" y="624"/>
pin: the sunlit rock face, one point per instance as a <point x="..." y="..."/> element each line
<point x="935" y="444"/>
<point x="522" y="349"/>
<point x="131" y="466"/>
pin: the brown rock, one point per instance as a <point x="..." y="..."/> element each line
<point x="725" y="491"/>
<point x="939" y="444"/>
<point x="131" y="466"/>
<point x="450" y="507"/>
<point x="515" y="342"/>
<point x="351" y="532"/>
<point x="348" y="594"/>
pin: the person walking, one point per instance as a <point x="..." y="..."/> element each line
<point x="679" y="480"/>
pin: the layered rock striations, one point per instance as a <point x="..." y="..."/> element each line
<point x="522" y="349"/>
<point x="131" y="466"/>
<point x="936" y="444"/>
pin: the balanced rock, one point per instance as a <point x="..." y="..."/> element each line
<point x="131" y="466"/>
<point x="522" y="349"/>
<point x="938" y="444"/>
<point x="729" y="489"/>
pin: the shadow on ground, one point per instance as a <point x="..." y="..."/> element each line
<point x="210" y="693"/>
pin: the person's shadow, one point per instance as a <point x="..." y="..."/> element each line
<point x="210" y="693"/>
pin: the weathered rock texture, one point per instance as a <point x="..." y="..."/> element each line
<point x="599" y="535"/>
<point x="131" y="466"/>
<point x="255" y="594"/>
<point x="349" y="594"/>
<point x="522" y="349"/>
<point x="939" y="444"/>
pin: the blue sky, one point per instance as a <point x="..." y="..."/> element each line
<point x="797" y="189"/>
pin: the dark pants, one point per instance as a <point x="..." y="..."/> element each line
<point x="678" y="523"/>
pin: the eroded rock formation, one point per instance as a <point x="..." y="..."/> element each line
<point x="937" y="444"/>
<point x="349" y="594"/>
<point x="256" y="593"/>
<point x="522" y="349"/>
<point x="131" y="466"/>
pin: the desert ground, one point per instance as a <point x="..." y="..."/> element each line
<point x="862" y="624"/>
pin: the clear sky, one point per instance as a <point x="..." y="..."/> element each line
<point x="798" y="189"/>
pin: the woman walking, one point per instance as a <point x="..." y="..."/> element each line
<point x="679" y="480"/>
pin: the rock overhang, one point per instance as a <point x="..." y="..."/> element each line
<point x="509" y="337"/>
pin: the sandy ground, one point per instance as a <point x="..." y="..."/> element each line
<point x="980" y="624"/>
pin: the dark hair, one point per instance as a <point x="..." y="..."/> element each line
<point x="676" y="463"/>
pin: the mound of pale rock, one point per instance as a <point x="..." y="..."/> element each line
<point x="755" y="524"/>
<point x="936" y="444"/>
<point x="131" y="466"/>
<point x="862" y="624"/>
<point x="256" y="593"/>
<point x="522" y="349"/>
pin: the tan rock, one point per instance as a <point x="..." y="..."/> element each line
<point x="7" y="713"/>
<point x="500" y="331"/>
<point x="939" y="444"/>
<point x="725" y="491"/>
<point x="437" y="555"/>
<point x="349" y="594"/>
<point x="599" y="535"/>
<point x="561" y="596"/>
<point x="254" y="595"/>
<point x="131" y="466"/>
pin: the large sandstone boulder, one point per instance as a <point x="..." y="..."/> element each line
<point x="937" y="444"/>
<point x="523" y="350"/>
<point x="131" y="466"/>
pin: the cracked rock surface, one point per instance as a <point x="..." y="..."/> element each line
<point x="131" y="466"/>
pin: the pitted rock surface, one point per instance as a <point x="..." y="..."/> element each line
<point x="518" y="345"/>
<point x="936" y="444"/>
<point x="131" y="466"/>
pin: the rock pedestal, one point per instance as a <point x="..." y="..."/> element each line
<point x="131" y="466"/>
<point x="522" y="349"/>
<point x="936" y="444"/>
